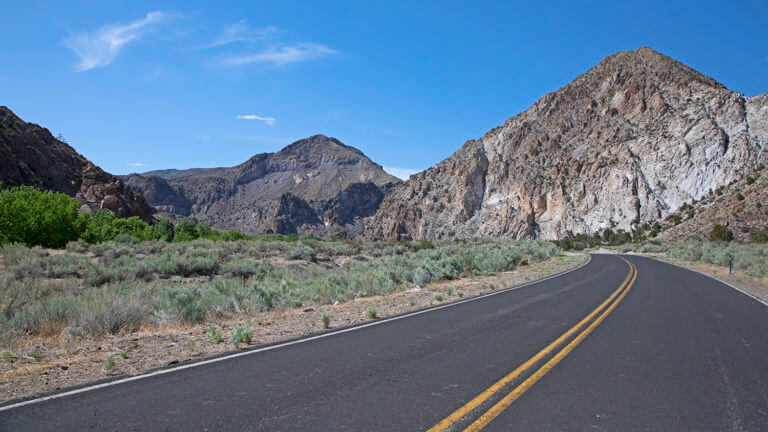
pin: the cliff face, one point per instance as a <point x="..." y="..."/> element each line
<point x="626" y="143"/>
<point x="30" y="155"/>
<point x="297" y="189"/>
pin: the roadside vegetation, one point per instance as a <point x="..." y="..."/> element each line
<point x="90" y="290"/>
<point x="752" y="258"/>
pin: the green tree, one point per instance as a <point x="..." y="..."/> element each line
<point x="720" y="233"/>
<point x="36" y="218"/>
<point x="163" y="230"/>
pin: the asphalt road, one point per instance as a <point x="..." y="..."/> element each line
<point x="668" y="350"/>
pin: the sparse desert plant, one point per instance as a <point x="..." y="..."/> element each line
<point x="192" y="346"/>
<point x="301" y="252"/>
<point x="460" y="294"/>
<point x="326" y="321"/>
<point x="449" y="292"/>
<point x="215" y="335"/>
<point x="412" y="303"/>
<point x="242" y="334"/>
<point x="439" y="298"/>
<point x="124" y="354"/>
<point x="109" y="363"/>
<point x="372" y="313"/>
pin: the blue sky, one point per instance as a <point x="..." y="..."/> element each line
<point x="136" y="85"/>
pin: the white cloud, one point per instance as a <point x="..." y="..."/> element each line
<point x="101" y="47"/>
<point x="281" y="55"/>
<point x="401" y="173"/>
<point x="270" y="121"/>
<point x="136" y="164"/>
<point x="240" y="32"/>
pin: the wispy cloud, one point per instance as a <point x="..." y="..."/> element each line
<point x="240" y="32"/>
<point x="269" y="121"/>
<point x="101" y="47"/>
<point x="136" y="164"/>
<point x="401" y="173"/>
<point x="281" y="55"/>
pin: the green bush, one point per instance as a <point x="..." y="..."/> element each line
<point x="214" y="334"/>
<point x="242" y="334"/>
<point x="35" y="218"/>
<point x="720" y="233"/>
<point x="757" y="235"/>
<point x="326" y="321"/>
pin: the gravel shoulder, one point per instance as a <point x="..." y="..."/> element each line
<point x="39" y="365"/>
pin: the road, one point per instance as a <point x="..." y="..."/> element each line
<point x="661" y="348"/>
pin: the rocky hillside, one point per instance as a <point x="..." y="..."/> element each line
<point x="741" y="206"/>
<point x="314" y="186"/>
<point x="628" y="142"/>
<point x="30" y="155"/>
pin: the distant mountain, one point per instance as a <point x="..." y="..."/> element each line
<point x="169" y="174"/>
<point x="628" y="142"/>
<point x="30" y="155"/>
<point x="314" y="186"/>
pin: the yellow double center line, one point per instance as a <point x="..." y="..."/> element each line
<point x="606" y="307"/>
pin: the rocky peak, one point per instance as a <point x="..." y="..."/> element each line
<point x="281" y="192"/>
<point x="627" y="142"/>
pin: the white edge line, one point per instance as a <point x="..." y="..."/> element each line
<point x="759" y="300"/>
<point x="281" y="345"/>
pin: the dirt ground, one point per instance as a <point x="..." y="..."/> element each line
<point x="37" y="365"/>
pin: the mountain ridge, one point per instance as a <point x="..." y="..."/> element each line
<point x="259" y="194"/>
<point x="618" y="131"/>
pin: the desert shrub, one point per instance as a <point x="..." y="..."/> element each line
<point x="245" y="267"/>
<point x="214" y="335"/>
<point x="77" y="246"/>
<point x="35" y="218"/>
<point x="372" y="313"/>
<point x="184" y="303"/>
<point x="242" y="334"/>
<point x="720" y="233"/>
<point x="421" y="245"/>
<point x="113" y="310"/>
<point x="301" y="252"/>
<point x="757" y="235"/>
<point x="59" y="311"/>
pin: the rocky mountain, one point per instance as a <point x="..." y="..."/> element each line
<point x="314" y="186"/>
<point x="30" y="155"/>
<point x="628" y="142"/>
<point x="741" y="206"/>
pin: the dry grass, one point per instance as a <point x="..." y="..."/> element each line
<point x="61" y="360"/>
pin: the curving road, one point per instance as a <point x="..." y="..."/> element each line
<point x="622" y="343"/>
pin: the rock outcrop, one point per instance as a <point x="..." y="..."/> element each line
<point x="30" y="155"/>
<point x="741" y="206"/>
<point x="313" y="186"/>
<point x="626" y="143"/>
